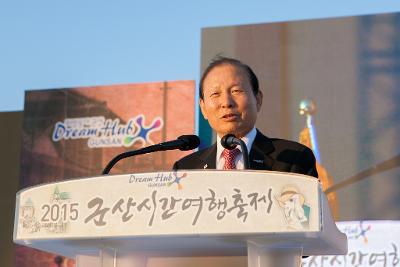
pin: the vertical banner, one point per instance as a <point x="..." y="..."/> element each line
<point x="75" y="132"/>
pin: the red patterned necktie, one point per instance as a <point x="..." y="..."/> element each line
<point x="230" y="156"/>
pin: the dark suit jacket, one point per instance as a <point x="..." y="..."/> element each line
<point x="266" y="154"/>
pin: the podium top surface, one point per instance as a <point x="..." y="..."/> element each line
<point x="202" y="211"/>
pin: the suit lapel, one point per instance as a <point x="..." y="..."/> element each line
<point x="259" y="154"/>
<point x="208" y="158"/>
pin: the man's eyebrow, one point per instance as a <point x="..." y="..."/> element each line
<point x="214" y="87"/>
<point x="236" y="84"/>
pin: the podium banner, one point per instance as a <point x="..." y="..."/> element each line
<point x="170" y="203"/>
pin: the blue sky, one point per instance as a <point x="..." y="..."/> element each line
<point x="53" y="44"/>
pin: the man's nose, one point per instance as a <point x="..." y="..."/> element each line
<point x="227" y="100"/>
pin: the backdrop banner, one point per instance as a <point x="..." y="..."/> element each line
<point x="371" y="243"/>
<point x="332" y="84"/>
<point x="75" y="132"/>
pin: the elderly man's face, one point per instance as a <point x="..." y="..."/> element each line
<point x="229" y="103"/>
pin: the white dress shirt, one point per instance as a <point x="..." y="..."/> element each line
<point x="248" y="139"/>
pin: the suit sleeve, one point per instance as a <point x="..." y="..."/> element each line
<point x="175" y="167"/>
<point x="306" y="163"/>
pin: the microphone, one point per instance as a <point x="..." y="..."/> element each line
<point x="230" y="141"/>
<point x="183" y="142"/>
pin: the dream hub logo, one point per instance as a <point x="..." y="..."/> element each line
<point x="102" y="132"/>
<point x="160" y="179"/>
<point x="357" y="231"/>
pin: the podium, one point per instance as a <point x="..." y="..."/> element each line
<point x="123" y="220"/>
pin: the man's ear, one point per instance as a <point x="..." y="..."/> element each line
<point x="259" y="99"/>
<point x="202" y="108"/>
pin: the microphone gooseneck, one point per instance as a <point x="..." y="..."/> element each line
<point x="230" y="141"/>
<point x="183" y="142"/>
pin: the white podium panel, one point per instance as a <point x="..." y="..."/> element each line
<point x="184" y="213"/>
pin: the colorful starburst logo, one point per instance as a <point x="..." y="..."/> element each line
<point x="357" y="231"/>
<point x="143" y="133"/>
<point x="178" y="179"/>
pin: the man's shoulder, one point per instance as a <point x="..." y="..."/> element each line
<point x="288" y="144"/>
<point x="292" y="156"/>
<point x="279" y="143"/>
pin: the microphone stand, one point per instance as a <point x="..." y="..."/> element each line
<point x="145" y="150"/>
<point x="245" y="154"/>
<point x="184" y="142"/>
<point x="230" y="141"/>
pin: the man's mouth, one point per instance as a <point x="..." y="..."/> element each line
<point x="230" y="116"/>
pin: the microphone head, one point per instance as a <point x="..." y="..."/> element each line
<point x="229" y="141"/>
<point x="189" y="142"/>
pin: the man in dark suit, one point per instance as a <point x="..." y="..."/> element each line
<point x="230" y="100"/>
